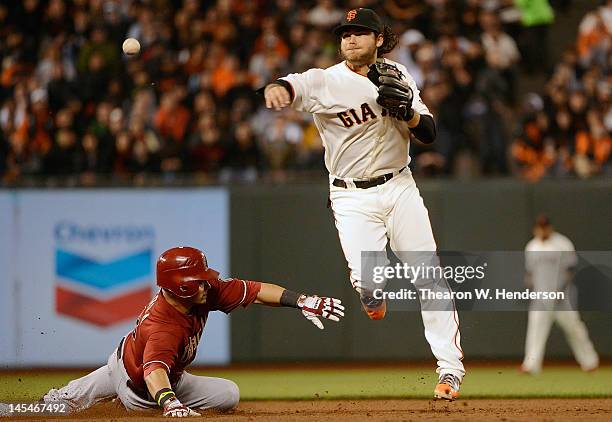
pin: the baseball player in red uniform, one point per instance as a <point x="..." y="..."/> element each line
<point x="366" y="109"/>
<point x="147" y="369"/>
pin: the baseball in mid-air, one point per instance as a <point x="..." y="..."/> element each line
<point x="131" y="46"/>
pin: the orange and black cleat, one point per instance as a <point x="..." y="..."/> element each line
<point x="447" y="387"/>
<point x="374" y="308"/>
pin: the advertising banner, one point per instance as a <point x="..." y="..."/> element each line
<point x="86" y="267"/>
<point x="7" y="321"/>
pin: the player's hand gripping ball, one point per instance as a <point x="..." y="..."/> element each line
<point x="394" y="93"/>
<point x="131" y="46"/>
<point x="314" y="307"/>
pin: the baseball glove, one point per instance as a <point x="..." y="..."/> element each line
<point x="394" y="93"/>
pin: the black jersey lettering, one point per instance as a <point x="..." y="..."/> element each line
<point x="346" y="119"/>
<point x="366" y="112"/>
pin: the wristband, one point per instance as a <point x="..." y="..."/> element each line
<point x="289" y="298"/>
<point x="279" y="82"/>
<point x="163" y="395"/>
<point x="287" y="86"/>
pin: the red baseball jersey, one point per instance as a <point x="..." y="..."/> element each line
<point x="166" y="338"/>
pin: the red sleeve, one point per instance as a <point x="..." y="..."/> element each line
<point x="230" y="293"/>
<point x="161" y="351"/>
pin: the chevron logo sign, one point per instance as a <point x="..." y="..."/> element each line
<point x="102" y="292"/>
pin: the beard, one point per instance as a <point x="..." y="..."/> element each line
<point x="360" y="58"/>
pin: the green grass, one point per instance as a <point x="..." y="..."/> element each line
<point x="402" y="382"/>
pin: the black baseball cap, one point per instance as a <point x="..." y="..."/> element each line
<point x="360" y="18"/>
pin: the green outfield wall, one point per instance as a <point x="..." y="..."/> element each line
<point x="285" y="234"/>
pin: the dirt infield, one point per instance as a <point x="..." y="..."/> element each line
<point x="379" y="410"/>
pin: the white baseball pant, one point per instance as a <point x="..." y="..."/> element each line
<point x="367" y="219"/>
<point x="538" y="329"/>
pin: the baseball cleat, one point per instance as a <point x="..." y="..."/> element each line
<point x="525" y="370"/>
<point x="375" y="308"/>
<point x="447" y="387"/>
<point x="52" y="396"/>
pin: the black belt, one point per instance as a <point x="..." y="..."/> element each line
<point x="120" y="348"/>
<point x="365" y="184"/>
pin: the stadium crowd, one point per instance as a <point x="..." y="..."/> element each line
<point x="71" y="103"/>
<point x="568" y="129"/>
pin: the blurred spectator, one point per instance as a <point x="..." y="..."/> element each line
<point x="414" y="12"/>
<point x="100" y="128"/>
<point x="93" y="80"/>
<point x="63" y="157"/>
<point x="142" y="133"/>
<point x="248" y="30"/>
<point x="172" y="117"/>
<point x="533" y="149"/>
<point x="536" y="18"/>
<point x="288" y="13"/>
<point x="501" y="52"/>
<point x="405" y="53"/>
<point x="28" y="16"/>
<point x="61" y="90"/>
<point x="452" y="93"/>
<point x="243" y="159"/>
<point x="310" y="151"/>
<point x="593" y="148"/>
<point x="206" y="151"/>
<point x="240" y="98"/>
<point x="34" y="133"/>
<point x="171" y="122"/>
<point x="100" y="46"/>
<point x="270" y="53"/>
<point x="143" y="158"/>
<point x="279" y="142"/>
<point x="92" y="161"/>
<point x="224" y="76"/>
<point x="325" y="14"/>
<point x="594" y="35"/>
<point x="488" y="112"/>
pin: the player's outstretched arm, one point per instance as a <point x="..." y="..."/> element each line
<point x="159" y="387"/>
<point x="312" y="307"/>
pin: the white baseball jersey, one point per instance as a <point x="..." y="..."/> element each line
<point x="548" y="261"/>
<point x="361" y="139"/>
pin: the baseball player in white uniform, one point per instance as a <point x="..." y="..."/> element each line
<point x="366" y="108"/>
<point x="549" y="259"/>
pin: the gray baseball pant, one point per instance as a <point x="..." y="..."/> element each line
<point x="111" y="380"/>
